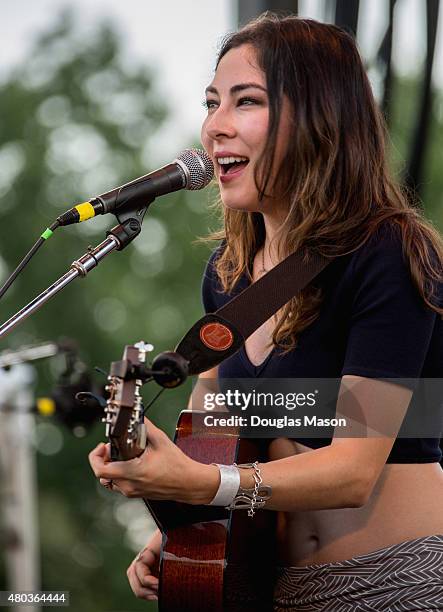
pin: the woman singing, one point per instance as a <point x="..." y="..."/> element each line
<point x="298" y="145"/>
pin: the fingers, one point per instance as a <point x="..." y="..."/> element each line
<point x="143" y="592"/>
<point x="154" y="434"/>
<point x="99" y="453"/>
<point x="112" y="485"/>
<point x="99" y="459"/>
<point x="146" y="577"/>
<point x="103" y="468"/>
<point x="140" y="575"/>
<point x="108" y="484"/>
<point x="150" y="559"/>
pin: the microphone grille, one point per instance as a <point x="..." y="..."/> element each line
<point x="199" y="168"/>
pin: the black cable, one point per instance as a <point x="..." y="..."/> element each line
<point x="46" y="234"/>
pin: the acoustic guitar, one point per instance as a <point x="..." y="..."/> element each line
<point x="212" y="560"/>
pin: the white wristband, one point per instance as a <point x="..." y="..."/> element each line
<point x="229" y="485"/>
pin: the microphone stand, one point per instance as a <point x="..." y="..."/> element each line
<point x="18" y="482"/>
<point x="118" y="238"/>
<point x="19" y="535"/>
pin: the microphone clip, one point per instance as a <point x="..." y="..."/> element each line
<point x="126" y="231"/>
<point x="137" y="211"/>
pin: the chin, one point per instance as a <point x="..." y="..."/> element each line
<point x="241" y="207"/>
<point x="237" y="202"/>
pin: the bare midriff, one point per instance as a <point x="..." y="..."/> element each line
<point x="406" y="503"/>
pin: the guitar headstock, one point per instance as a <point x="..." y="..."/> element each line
<point x="124" y="411"/>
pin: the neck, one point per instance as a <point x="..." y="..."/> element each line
<point x="272" y="222"/>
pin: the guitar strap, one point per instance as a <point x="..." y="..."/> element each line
<point x="219" y="335"/>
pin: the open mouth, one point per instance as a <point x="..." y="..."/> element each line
<point x="230" y="165"/>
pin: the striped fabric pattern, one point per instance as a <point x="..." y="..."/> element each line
<point x="405" y="577"/>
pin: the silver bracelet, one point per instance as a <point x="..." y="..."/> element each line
<point x="249" y="499"/>
<point x="228" y="487"/>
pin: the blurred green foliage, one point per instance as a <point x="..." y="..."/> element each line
<point x="75" y="122"/>
<point x="403" y="117"/>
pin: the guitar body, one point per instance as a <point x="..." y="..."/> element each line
<point x="213" y="559"/>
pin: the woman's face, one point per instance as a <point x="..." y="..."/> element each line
<point x="236" y="127"/>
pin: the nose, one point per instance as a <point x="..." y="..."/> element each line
<point x="219" y="124"/>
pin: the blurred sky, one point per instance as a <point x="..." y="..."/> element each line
<point x="180" y="37"/>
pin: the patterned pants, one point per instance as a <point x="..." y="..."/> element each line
<point x="404" y="577"/>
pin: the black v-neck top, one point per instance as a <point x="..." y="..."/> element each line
<point x="372" y="323"/>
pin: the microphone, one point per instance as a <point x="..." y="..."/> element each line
<point x="192" y="169"/>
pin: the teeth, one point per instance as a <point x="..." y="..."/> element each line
<point x="231" y="160"/>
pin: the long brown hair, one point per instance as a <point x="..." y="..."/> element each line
<point x="335" y="174"/>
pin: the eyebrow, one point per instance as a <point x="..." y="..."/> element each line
<point x="236" y="88"/>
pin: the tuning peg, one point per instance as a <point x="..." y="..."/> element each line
<point x="144" y="346"/>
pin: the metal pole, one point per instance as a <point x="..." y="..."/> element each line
<point x="18" y="491"/>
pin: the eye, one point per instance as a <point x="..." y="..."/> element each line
<point x="209" y="104"/>
<point x="247" y="101"/>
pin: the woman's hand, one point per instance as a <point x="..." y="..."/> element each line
<point x="143" y="571"/>
<point x="163" y="471"/>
